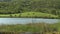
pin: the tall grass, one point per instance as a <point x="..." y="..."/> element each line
<point x="35" y="27"/>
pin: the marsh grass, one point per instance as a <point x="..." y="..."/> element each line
<point x="35" y="27"/>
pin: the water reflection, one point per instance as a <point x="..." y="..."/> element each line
<point x="26" y="20"/>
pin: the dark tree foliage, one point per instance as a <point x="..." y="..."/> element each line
<point x="19" y="6"/>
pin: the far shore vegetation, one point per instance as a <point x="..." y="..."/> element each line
<point x="30" y="9"/>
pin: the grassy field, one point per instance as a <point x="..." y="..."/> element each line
<point x="21" y="28"/>
<point x="34" y="27"/>
<point x="30" y="15"/>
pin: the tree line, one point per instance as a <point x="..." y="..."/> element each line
<point x="18" y="6"/>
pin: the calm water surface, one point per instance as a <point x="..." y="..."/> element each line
<point x="26" y="20"/>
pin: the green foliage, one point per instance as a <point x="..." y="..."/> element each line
<point x="21" y="6"/>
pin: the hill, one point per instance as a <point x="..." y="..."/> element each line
<point x="30" y="15"/>
<point x="21" y="6"/>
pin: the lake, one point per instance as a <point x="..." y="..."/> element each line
<point x="26" y="20"/>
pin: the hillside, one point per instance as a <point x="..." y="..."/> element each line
<point x="21" y="6"/>
<point x="30" y="15"/>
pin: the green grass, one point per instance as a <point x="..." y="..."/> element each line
<point x="21" y="28"/>
<point x="32" y="27"/>
<point x="30" y="14"/>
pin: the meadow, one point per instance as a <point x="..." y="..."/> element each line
<point x="31" y="27"/>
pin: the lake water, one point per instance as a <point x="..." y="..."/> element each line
<point x="26" y="20"/>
